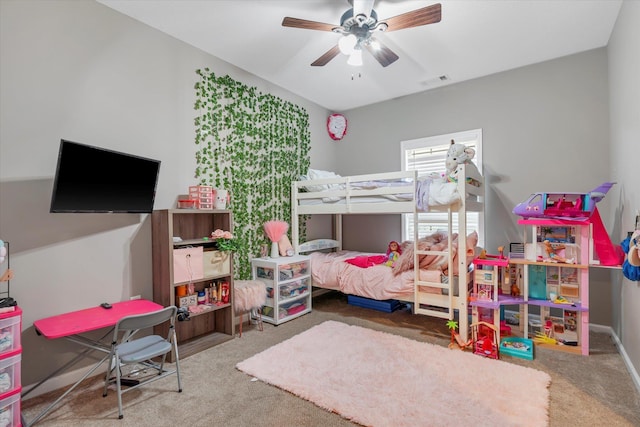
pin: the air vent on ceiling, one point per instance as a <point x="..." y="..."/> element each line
<point x="436" y="80"/>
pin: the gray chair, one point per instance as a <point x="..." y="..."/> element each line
<point x="125" y="350"/>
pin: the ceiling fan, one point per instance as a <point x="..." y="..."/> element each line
<point x="358" y="26"/>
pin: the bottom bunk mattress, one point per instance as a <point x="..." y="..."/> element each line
<point x="332" y="271"/>
<point x="336" y="270"/>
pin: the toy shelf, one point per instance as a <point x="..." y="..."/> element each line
<point x="549" y="221"/>
<point x="567" y="323"/>
<point x="547" y="264"/>
<point x="546" y="303"/>
<point x="532" y="287"/>
<point x="502" y="300"/>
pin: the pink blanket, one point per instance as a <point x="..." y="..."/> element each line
<point x="366" y="261"/>
<point x="330" y="271"/>
<point x="435" y="242"/>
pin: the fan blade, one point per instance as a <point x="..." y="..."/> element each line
<point x="383" y="54"/>
<point x="307" y="25"/>
<point x="362" y="7"/>
<point x="328" y="56"/>
<point x="426" y="15"/>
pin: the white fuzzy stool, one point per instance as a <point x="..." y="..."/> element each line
<point x="250" y="295"/>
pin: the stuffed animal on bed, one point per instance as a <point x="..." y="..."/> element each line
<point x="456" y="155"/>
<point x="393" y="253"/>
<point x="437" y="241"/>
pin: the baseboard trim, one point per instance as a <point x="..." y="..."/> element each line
<point x="625" y="357"/>
<point x="57" y="382"/>
<point x="600" y="328"/>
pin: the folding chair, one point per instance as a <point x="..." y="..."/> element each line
<point x="128" y="351"/>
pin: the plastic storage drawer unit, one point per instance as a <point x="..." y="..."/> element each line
<point x="10" y="330"/>
<point x="10" y="409"/>
<point x="10" y="372"/>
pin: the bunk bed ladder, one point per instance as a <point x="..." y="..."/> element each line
<point x="445" y="304"/>
<point x="428" y="303"/>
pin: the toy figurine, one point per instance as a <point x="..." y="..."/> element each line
<point x="456" y="339"/>
<point x="515" y="290"/>
<point x="393" y="252"/>
<point x="552" y="253"/>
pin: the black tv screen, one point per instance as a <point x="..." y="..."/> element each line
<point x="93" y="179"/>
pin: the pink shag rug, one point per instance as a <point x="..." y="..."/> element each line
<point x="379" y="379"/>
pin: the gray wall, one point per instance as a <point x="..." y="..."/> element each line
<point x="624" y="94"/>
<point x="545" y="127"/>
<point x="81" y="71"/>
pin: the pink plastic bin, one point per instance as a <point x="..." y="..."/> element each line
<point x="10" y="331"/>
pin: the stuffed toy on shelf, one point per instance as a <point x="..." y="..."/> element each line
<point x="457" y="155"/>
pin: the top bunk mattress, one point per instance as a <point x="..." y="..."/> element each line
<point x="396" y="191"/>
<point x="429" y="194"/>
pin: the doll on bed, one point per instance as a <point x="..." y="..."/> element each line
<point x="393" y="253"/>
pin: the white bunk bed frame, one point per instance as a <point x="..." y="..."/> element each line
<point x="471" y="200"/>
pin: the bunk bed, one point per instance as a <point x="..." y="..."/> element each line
<point x="432" y="287"/>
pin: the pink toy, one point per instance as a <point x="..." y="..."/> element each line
<point x="572" y="206"/>
<point x="485" y="339"/>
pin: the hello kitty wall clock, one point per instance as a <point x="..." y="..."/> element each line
<point x="337" y="126"/>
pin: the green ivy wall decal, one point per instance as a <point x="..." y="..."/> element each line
<point x="252" y="144"/>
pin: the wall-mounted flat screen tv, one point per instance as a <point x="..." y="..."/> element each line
<point x="92" y="179"/>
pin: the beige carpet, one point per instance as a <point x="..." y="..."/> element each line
<point x="585" y="391"/>
<point x="353" y="371"/>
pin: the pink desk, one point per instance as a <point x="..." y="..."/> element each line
<point x="90" y="319"/>
<point x="71" y="326"/>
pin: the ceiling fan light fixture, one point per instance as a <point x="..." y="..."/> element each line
<point x="380" y="26"/>
<point x="375" y="45"/>
<point x="355" y="59"/>
<point x="347" y="44"/>
<point x="357" y="27"/>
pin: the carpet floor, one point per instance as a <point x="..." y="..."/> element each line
<point x="592" y="391"/>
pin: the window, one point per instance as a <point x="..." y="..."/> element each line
<point x="427" y="155"/>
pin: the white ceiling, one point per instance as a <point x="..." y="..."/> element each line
<point x="474" y="38"/>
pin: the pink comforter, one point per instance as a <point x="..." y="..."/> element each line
<point x="437" y="241"/>
<point x="380" y="282"/>
<point x="328" y="270"/>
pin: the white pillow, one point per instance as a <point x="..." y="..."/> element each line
<point x="320" y="174"/>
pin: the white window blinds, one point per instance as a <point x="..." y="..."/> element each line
<point x="427" y="155"/>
